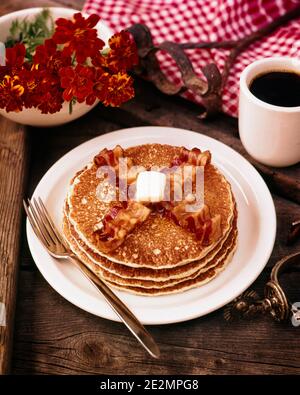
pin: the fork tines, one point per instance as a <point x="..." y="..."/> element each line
<point x="41" y="222"/>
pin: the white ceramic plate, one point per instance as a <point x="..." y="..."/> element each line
<point x="256" y="225"/>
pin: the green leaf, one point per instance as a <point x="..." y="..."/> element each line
<point x="31" y="33"/>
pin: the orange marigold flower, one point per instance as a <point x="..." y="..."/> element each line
<point x="51" y="101"/>
<point x="111" y="90"/>
<point x="42" y="89"/>
<point x="122" y="55"/>
<point x="52" y="78"/>
<point x="100" y="86"/>
<point x="100" y="60"/>
<point x="30" y="81"/>
<point x="77" y="82"/>
<point x="118" y="89"/>
<point x="14" y="60"/>
<point x="11" y="92"/>
<point x="48" y="56"/>
<point x="78" y="36"/>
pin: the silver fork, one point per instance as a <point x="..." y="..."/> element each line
<point x="45" y="230"/>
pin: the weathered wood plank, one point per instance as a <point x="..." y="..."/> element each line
<point x="12" y="173"/>
<point x="82" y="344"/>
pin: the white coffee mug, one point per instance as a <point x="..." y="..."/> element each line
<point x="269" y="133"/>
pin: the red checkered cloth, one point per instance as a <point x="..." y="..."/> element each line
<point x="207" y="20"/>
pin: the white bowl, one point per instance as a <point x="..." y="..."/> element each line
<point x="33" y="116"/>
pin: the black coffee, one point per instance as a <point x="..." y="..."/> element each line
<point x="280" y="88"/>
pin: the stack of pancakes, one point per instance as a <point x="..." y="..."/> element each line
<point x="158" y="257"/>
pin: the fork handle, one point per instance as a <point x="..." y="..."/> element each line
<point x="122" y="311"/>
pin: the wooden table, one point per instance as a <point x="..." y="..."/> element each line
<point x="51" y="336"/>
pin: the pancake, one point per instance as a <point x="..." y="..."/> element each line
<point x="157" y="243"/>
<point x="198" y="281"/>
<point x="228" y="245"/>
<point x="143" y="273"/>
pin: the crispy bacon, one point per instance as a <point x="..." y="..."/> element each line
<point x="206" y="229"/>
<point x="193" y="157"/>
<point x="111" y="157"/>
<point x="119" y="222"/>
<point x="200" y="222"/>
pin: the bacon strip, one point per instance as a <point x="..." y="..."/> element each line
<point x="118" y="222"/>
<point x="193" y="157"/>
<point x="206" y="228"/>
<point x="123" y="216"/>
<point x="109" y="157"/>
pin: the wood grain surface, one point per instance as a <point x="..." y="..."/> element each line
<point x="12" y="172"/>
<point x="54" y="337"/>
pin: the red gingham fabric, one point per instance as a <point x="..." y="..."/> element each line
<point x="207" y="20"/>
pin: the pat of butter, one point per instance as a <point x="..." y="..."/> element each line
<point x="150" y="186"/>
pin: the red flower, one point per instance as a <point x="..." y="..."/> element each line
<point x="15" y="56"/>
<point x="77" y="82"/>
<point x="52" y="78"/>
<point x="100" y="60"/>
<point x="117" y="90"/>
<point x="111" y="90"/>
<point x="123" y="53"/>
<point x="51" y="101"/>
<point x="78" y="36"/>
<point x="14" y="60"/>
<point x="42" y="90"/>
<point x="100" y="86"/>
<point x="48" y="56"/>
<point x="11" y="92"/>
